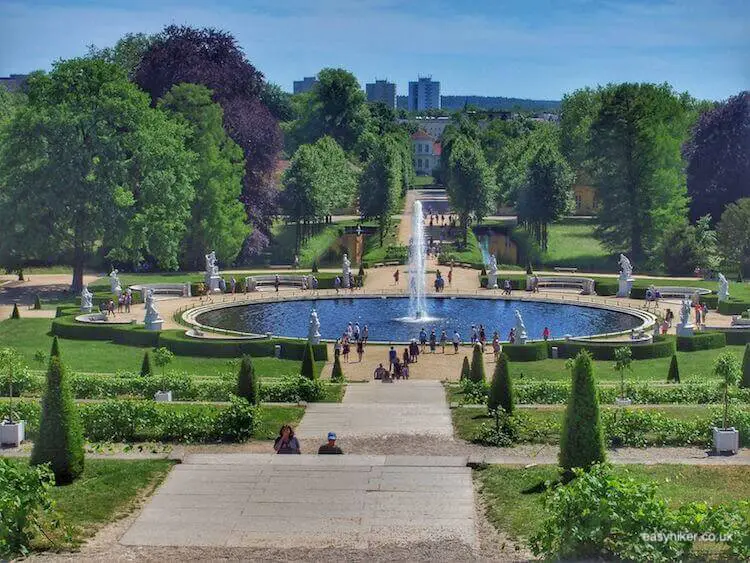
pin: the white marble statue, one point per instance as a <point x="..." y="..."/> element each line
<point x="346" y="269"/>
<point x="521" y="335"/>
<point x="86" y="299"/>
<point x="685" y="312"/>
<point x="626" y="268"/>
<point x="212" y="268"/>
<point x="152" y="320"/>
<point x="492" y="272"/>
<point x="723" y="288"/>
<point x="114" y="282"/>
<point x="313" y="332"/>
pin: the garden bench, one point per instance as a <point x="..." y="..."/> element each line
<point x="675" y="291"/>
<point x="566" y="270"/>
<point x="180" y="289"/>
<point x="252" y="282"/>
<point x="586" y="285"/>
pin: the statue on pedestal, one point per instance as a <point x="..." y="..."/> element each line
<point x="114" y="282"/>
<point x="626" y="277"/>
<point x="346" y="269"/>
<point x="685" y="327"/>
<point x="521" y="335"/>
<point x="492" y="272"/>
<point x="212" y="272"/>
<point x="86" y="299"/>
<point x="152" y="320"/>
<point x="313" y="332"/>
<point x="723" y="288"/>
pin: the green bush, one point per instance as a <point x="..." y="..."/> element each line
<point x="295" y="388"/>
<point x="465" y="370"/>
<point x="501" y="390"/>
<point x="518" y="284"/>
<point x="55" y="349"/>
<point x="146" y="369"/>
<point x="37" y="303"/>
<point x="309" y="369"/>
<point x="582" y="440"/>
<point x="60" y="440"/>
<point x="737" y="337"/>
<point x="248" y="385"/>
<point x="236" y="423"/>
<point x="15" y="314"/>
<point x="701" y="341"/>
<point x="711" y="300"/>
<point x="661" y="347"/>
<point x="477" y="365"/>
<point x="733" y="307"/>
<point x="745" y="381"/>
<point x="674" y="371"/>
<point x="529" y="352"/>
<point x="337" y="375"/>
<point x="502" y="432"/>
<point x="606" y="288"/>
<point x="599" y="516"/>
<point x="24" y="502"/>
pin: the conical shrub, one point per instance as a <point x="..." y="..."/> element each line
<point x="54" y="351"/>
<point x="674" y="371"/>
<point x="501" y="390"/>
<point x="15" y="314"/>
<point x="60" y="439"/>
<point x="248" y="386"/>
<point x="529" y="270"/>
<point x="745" y="381"/>
<point x="477" y="365"/>
<point x="465" y="369"/>
<point x="337" y="374"/>
<point x="309" y="369"/>
<point x="582" y="440"/>
<point x="146" y="369"/>
<point x="37" y="303"/>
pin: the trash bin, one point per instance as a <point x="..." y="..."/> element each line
<point x="555" y="354"/>
<point x="277" y="351"/>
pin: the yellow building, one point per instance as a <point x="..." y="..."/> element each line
<point x="587" y="202"/>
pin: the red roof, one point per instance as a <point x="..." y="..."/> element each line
<point x="421" y="136"/>
<point x="437" y="148"/>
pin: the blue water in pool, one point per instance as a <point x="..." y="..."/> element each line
<point x="384" y="317"/>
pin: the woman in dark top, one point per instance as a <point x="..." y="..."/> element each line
<point x="286" y="443"/>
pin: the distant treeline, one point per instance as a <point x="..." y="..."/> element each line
<point x="488" y="102"/>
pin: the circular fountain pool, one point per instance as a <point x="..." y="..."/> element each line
<point x="386" y="320"/>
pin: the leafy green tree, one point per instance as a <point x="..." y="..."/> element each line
<point x="578" y="111"/>
<point x="248" y="384"/>
<point x="471" y="186"/>
<point x="60" y="439"/>
<point x="343" y="111"/>
<point x="381" y="183"/>
<point x="582" y="440"/>
<point x="87" y="163"/>
<point x="546" y="195"/>
<point x="727" y="370"/>
<point x="309" y="367"/>
<point x="623" y="361"/>
<point x="163" y="357"/>
<point x="734" y="235"/>
<point x="674" y="371"/>
<point x="635" y="148"/>
<point x="146" y="369"/>
<point x="217" y="216"/>
<point x="126" y="53"/>
<point x="746" y="368"/>
<point x="14" y="375"/>
<point x="277" y="101"/>
<point x="477" y="365"/>
<point x="337" y="374"/>
<point x="465" y="369"/>
<point x="501" y="390"/>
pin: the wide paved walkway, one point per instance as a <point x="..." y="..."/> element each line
<point x="271" y="501"/>
<point x="378" y="409"/>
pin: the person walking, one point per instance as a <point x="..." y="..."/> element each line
<point x="450" y="276"/>
<point x="456" y="341"/>
<point x="276" y="282"/>
<point x="337" y="348"/>
<point x="423" y="338"/>
<point x="392" y="358"/>
<point x="433" y="341"/>
<point x="443" y="340"/>
<point x="356" y="331"/>
<point x="546" y="333"/>
<point x="233" y="285"/>
<point x="512" y="336"/>
<point x="395" y="277"/>
<point x="337" y="284"/>
<point x="496" y="345"/>
<point x="413" y="351"/>
<point x="346" y="348"/>
<point x="365" y="334"/>
<point x="405" y="356"/>
<point x="360" y="350"/>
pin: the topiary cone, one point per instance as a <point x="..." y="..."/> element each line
<point x="309" y="369"/>
<point x="146" y="369"/>
<point x="60" y="439"/>
<point x="337" y="374"/>
<point x="582" y="440"/>
<point x="15" y="314"/>
<point x="248" y="385"/>
<point x="745" y="381"/>
<point x="37" y="303"/>
<point x="477" y="365"/>
<point x="465" y="369"/>
<point x="501" y="390"/>
<point x="674" y="371"/>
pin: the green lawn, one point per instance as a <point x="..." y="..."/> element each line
<point x="90" y="356"/>
<point x="107" y="490"/>
<point x="274" y="417"/>
<point x="518" y="512"/>
<point x="572" y="244"/>
<point x="420" y="181"/>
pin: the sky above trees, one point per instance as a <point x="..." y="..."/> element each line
<point x="529" y="48"/>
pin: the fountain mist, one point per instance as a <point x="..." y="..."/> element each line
<point x="417" y="304"/>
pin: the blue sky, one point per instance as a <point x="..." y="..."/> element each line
<point x="529" y="48"/>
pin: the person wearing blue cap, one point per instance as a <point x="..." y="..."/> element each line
<point x="330" y="447"/>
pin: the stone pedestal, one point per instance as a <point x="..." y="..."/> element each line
<point x="213" y="283"/>
<point x="623" y="402"/>
<point x="86" y="309"/>
<point x="685" y="329"/>
<point x="155" y="324"/>
<point x="12" y="434"/>
<point x="726" y="440"/>
<point x="625" y="286"/>
<point x="163" y="396"/>
<point x="492" y="281"/>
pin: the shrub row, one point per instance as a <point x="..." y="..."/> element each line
<point x="733" y="307"/>
<point x="606" y="288"/>
<point x="701" y="341"/>
<point x="529" y="352"/>
<point x="145" y="421"/>
<point x="661" y="347"/>
<point x="711" y="300"/>
<point x="515" y="283"/>
<point x="737" y="337"/>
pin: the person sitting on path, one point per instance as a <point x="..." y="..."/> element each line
<point x="330" y="447"/>
<point x="380" y="372"/>
<point x="286" y="443"/>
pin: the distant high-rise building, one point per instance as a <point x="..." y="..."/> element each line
<point x="13" y="82"/>
<point x="424" y="94"/>
<point x="305" y="85"/>
<point x="382" y="91"/>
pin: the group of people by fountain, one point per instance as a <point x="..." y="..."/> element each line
<point x="352" y="336"/>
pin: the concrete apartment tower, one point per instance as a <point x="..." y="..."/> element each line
<point x="382" y="91"/>
<point x="424" y="94"/>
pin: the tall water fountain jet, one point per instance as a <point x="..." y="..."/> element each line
<point x="417" y="303"/>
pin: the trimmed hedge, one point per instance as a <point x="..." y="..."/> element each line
<point x="701" y="341"/>
<point x="66" y="326"/>
<point x="711" y="300"/>
<point x="733" y="307"/>
<point x="529" y="352"/>
<point x="606" y="288"/>
<point x="515" y="283"/>
<point x="662" y="347"/>
<point x="737" y="337"/>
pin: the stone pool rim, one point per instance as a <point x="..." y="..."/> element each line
<point x="189" y="317"/>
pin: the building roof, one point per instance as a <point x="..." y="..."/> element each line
<point x="422" y="136"/>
